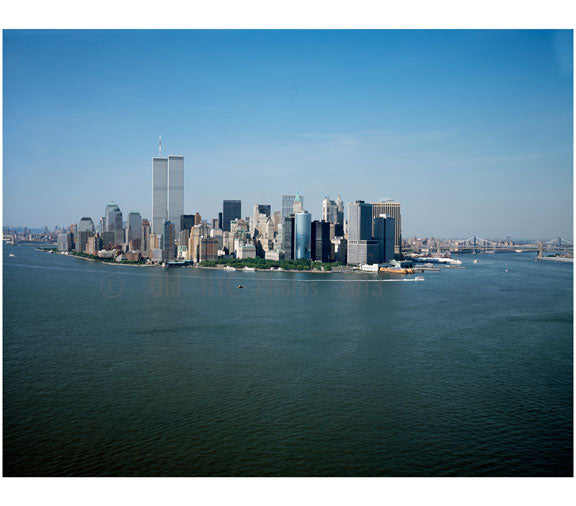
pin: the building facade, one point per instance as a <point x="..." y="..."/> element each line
<point x="231" y="210"/>
<point x="303" y="226"/>
<point x="287" y="205"/>
<point x="391" y="209"/>
<point x="134" y="227"/>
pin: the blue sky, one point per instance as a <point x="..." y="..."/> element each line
<point x="470" y="130"/>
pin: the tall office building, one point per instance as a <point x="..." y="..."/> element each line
<point x="86" y="225"/>
<point x="220" y="221"/>
<point x="287" y="205"/>
<point x="286" y="240"/>
<point x="168" y="241"/>
<point x="321" y="245"/>
<point x="231" y="210"/>
<point x="81" y="240"/>
<point x="391" y="209"/>
<point x="159" y="194"/>
<point x="359" y="221"/>
<point x="339" y="228"/>
<point x="298" y="206"/>
<point x="329" y="210"/>
<point x="264" y="209"/>
<point x="145" y="238"/>
<point x="167" y="191"/>
<point x="134" y="227"/>
<point x="175" y="189"/>
<point x="383" y="231"/>
<point x="113" y="222"/>
<point x="303" y="227"/>
<point x="187" y="221"/>
<point x="197" y="219"/>
<point x="361" y="248"/>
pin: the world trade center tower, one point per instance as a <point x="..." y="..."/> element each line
<point x="167" y="191"/>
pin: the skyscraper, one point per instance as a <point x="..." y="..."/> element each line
<point x="86" y="225"/>
<point x="339" y="228"/>
<point x="383" y="232"/>
<point x="113" y="222"/>
<point x="391" y="209"/>
<point x="362" y="249"/>
<point x="329" y="210"/>
<point x="287" y="205"/>
<point x="146" y="238"/>
<point x="264" y="209"/>
<point x="320" y="246"/>
<point x="231" y="210"/>
<point x="167" y="191"/>
<point x="134" y="228"/>
<point x="298" y="206"/>
<point x="159" y="194"/>
<point x="175" y="189"/>
<point x="302" y="233"/>
<point x="168" y="241"/>
<point x="359" y="221"/>
<point x="187" y="221"/>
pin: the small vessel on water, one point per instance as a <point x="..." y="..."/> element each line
<point x="249" y="269"/>
<point x="475" y="261"/>
<point x="240" y="286"/>
<point x="397" y="270"/>
<point x="419" y="278"/>
<point x="437" y="260"/>
<point x="228" y="268"/>
<point x="11" y="255"/>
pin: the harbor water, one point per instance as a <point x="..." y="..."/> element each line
<point x="116" y="370"/>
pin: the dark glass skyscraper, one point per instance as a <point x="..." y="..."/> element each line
<point x="264" y="209"/>
<point x="231" y="210"/>
<point x="321" y="241"/>
<point x="186" y="222"/>
<point x="384" y="230"/>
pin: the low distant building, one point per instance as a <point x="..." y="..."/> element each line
<point x="157" y="255"/>
<point x="94" y="245"/>
<point x="135" y="244"/>
<point x="81" y="240"/>
<point x="107" y="253"/>
<point x="246" y="251"/>
<point x="274" y="254"/>
<point x="363" y="252"/>
<point x="339" y="250"/>
<point x="65" y="242"/>
<point x="133" y="255"/>
<point x="208" y="249"/>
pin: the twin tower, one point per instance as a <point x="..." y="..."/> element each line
<point x="167" y="192"/>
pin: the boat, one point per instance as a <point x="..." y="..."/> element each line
<point x="437" y="260"/>
<point x="475" y="261"/>
<point x="11" y="255"/>
<point x="396" y="270"/>
<point x="240" y="286"/>
<point x="518" y="250"/>
<point x="419" y="278"/>
<point x="249" y="269"/>
<point x="228" y="268"/>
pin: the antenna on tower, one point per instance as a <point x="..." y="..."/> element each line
<point x="160" y="145"/>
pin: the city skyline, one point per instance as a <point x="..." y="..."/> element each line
<point x="467" y="141"/>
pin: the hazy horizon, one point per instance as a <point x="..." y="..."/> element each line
<point x="470" y="130"/>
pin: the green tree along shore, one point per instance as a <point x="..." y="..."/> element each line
<point x="260" y="263"/>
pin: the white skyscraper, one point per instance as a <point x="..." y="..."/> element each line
<point x="159" y="194"/>
<point x="167" y="191"/>
<point x="175" y="189"/>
